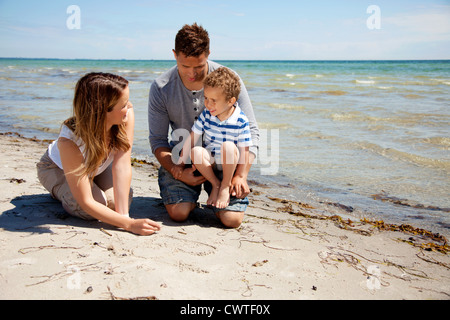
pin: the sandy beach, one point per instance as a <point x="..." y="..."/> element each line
<point x="283" y="250"/>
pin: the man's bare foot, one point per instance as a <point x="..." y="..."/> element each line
<point x="223" y="198"/>
<point x="212" y="199"/>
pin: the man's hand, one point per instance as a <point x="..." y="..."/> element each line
<point x="177" y="171"/>
<point x="187" y="176"/>
<point x="239" y="187"/>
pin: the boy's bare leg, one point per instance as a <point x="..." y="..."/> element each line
<point x="230" y="156"/>
<point x="203" y="162"/>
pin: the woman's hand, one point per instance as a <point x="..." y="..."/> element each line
<point x="143" y="227"/>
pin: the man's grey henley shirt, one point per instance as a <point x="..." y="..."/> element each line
<point x="172" y="106"/>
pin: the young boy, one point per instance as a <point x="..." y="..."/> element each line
<point x="226" y="133"/>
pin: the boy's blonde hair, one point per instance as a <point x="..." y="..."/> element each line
<point x="225" y="79"/>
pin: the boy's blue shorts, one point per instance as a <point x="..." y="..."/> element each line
<point x="173" y="191"/>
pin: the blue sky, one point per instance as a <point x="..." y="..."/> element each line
<point x="244" y="29"/>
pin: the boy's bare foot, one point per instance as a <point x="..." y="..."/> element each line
<point x="223" y="198"/>
<point x="212" y="199"/>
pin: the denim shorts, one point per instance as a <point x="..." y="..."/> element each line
<point x="173" y="191"/>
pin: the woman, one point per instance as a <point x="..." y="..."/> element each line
<point x="88" y="168"/>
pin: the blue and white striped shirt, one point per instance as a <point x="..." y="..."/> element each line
<point x="235" y="129"/>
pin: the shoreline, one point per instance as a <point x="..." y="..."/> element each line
<point x="324" y="205"/>
<point x="363" y="167"/>
<point x="226" y="60"/>
<point x="284" y="250"/>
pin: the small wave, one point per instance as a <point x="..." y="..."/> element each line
<point x="315" y="135"/>
<point x="70" y="71"/>
<point x="441" y="142"/>
<point x="441" y="81"/>
<point x="405" y="202"/>
<point x="398" y="155"/>
<point x="28" y="117"/>
<point x="278" y="90"/>
<point x="268" y="125"/>
<point x="305" y="98"/>
<point x="290" y="75"/>
<point x="286" y="106"/>
<point x="345" y="116"/>
<point x="47" y="129"/>
<point x="412" y="96"/>
<point x="364" y="81"/>
<point x="42" y="98"/>
<point x="334" y="92"/>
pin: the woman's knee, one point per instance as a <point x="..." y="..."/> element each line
<point x="106" y="197"/>
<point x="72" y="207"/>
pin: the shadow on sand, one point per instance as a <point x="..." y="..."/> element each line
<point x="36" y="213"/>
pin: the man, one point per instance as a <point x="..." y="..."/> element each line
<point x="175" y="101"/>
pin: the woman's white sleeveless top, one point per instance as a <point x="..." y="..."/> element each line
<point x="54" y="154"/>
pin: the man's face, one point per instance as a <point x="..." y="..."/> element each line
<point x="192" y="70"/>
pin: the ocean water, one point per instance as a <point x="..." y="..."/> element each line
<point x="371" y="136"/>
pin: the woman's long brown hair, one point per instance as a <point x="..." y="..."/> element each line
<point x="96" y="94"/>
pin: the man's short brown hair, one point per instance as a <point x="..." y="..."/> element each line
<point x="192" y="41"/>
<point x="225" y="79"/>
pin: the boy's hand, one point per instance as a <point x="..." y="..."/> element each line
<point x="239" y="187"/>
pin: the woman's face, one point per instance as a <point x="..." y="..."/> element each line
<point x="119" y="114"/>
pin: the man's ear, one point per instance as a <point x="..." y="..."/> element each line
<point x="174" y="54"/>
<point x="232" y="101"/>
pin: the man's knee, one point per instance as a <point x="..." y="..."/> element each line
<point x="231" y="219"/>
<point x="180" y="212"/>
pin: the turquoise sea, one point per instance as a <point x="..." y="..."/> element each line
<point x="372" y="136"/>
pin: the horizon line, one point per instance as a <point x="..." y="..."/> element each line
<point x="259" y="60"/>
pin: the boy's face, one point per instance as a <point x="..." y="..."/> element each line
<point x="217" y="104"/>
<point x="192" y="70"/>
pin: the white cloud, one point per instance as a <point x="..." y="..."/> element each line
<point x="406" y="35"/>
<point x="425" y="23"/>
